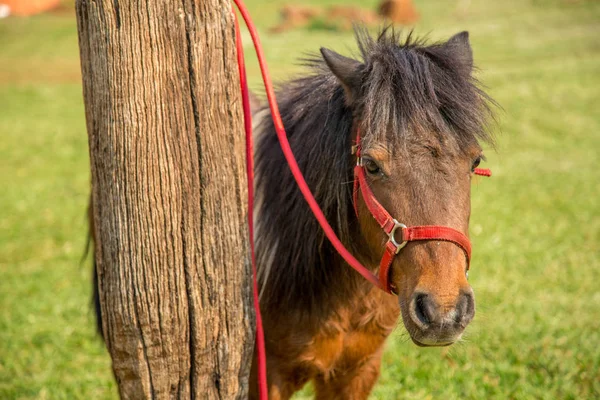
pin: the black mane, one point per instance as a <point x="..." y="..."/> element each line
<point x="405" y="85"/>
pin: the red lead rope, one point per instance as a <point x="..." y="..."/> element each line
<point x="287" y="151"/>
<point x="260" y="335"/>
<point x="389" y="224"/>
<point x="293" y="164"/>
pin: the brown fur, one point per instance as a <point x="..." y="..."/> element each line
<point x="341" y="354"/>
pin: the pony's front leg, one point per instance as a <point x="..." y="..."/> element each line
<point x="282" y="382"/>
<point x="278" y="388"/>
<point x="353" y="384"/>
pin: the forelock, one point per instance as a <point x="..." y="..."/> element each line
<point x="409" y="85"/>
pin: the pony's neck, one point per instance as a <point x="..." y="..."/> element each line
<point x="297" y="266"/>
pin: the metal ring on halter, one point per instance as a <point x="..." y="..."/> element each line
<point x="392" y="237"/>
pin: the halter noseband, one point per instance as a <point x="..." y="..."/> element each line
<point x="391" y="226"/>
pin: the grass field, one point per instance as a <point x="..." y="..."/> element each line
<point x="535" y="224"/>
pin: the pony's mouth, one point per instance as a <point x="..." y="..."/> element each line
<point x="433" y="343"/>
<point x="433" y="336"/>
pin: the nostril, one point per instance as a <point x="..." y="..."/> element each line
<point x="470" y="307"/>
<point x="461" y="309"/>
<point x="424" y="310"/>
<point x="419" y="309"/>
<point x="465" y="308"/>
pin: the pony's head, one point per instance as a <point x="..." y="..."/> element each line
<point x="420" y="115"/>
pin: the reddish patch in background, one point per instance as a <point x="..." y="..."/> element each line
<point x="29" y="7"/>
<point x="401" y="12"/>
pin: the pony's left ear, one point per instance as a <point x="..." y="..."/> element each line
<point x="347" y="70"/>
<point x="460" y="46"/>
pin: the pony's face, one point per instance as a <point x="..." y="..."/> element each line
<point x="426" y="183"/>
<point x="419" y="115"/>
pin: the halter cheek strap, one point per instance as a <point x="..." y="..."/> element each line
<point x="393" y="228"/>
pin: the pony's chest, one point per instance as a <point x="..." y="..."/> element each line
<point x="356" y="334"/>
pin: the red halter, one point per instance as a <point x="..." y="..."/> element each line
<point x="390" y="225"/>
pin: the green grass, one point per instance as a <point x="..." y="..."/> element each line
<point x="535" y="224"/>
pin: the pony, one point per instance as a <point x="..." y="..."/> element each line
<point x="421" y="116"/>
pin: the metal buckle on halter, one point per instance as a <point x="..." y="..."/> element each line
<point x="392" y="236"/>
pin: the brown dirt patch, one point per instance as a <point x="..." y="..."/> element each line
<point x="340" y="17"/>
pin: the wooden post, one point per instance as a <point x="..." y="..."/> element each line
<point x="165" y="128"/>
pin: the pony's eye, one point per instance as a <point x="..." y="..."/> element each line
<point x="476" y="163"/>
<point x="372" y="167"/>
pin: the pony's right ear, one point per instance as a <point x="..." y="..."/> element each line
<point x="347" y="70"/>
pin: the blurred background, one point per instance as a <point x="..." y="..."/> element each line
<point x="535" y="224"/>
